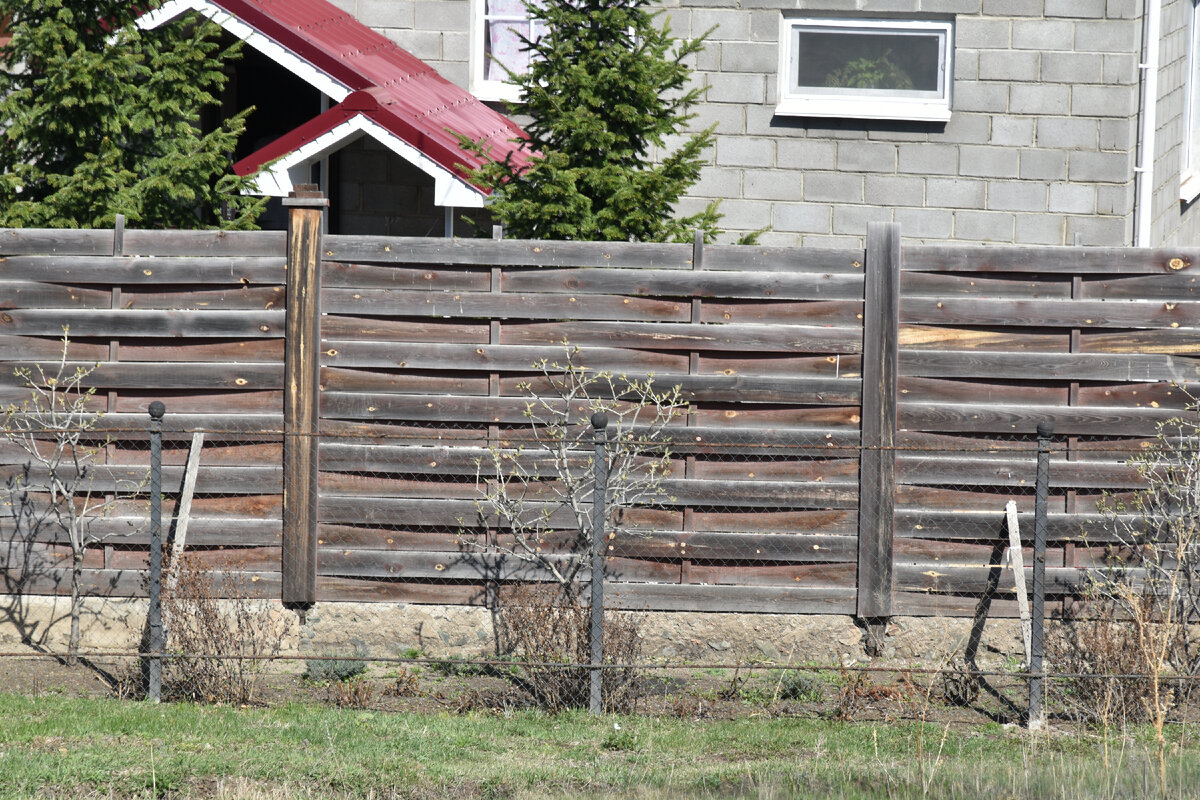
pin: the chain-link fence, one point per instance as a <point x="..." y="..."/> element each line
<point x="456" y="570"/>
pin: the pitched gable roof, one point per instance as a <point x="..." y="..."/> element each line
<point x="381" y="90"/>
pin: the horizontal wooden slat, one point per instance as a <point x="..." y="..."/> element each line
<point x="178" y="375"/>
<point x="451" y="305"/>
<point x="743" y="599"/>
<point x="983" y="417"/>
<point x="702" y="284"/>
<point x="1048" y="366"/>
<point x="508" y="252"/>
<point x="136" y="322"/>
<point x="1050" y="313"/>
<point x="676" y="336"/>
<point x="141" y="271"/>
<point x="1082" y="260"/>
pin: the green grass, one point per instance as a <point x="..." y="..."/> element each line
<point x="59" y="747"/>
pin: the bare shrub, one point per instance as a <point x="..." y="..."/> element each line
<point x="1108" y="676"/>
<point x="547" y="633"/>
<point x="357" y="692"/>
<point x="219" y="638"/>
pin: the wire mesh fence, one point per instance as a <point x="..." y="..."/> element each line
<point x="467" y="556"/>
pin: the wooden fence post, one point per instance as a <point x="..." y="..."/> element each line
<point x="301" y="368"/>
<point x="877" y="458"/>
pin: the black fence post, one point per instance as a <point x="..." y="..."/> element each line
<point x="154" y="615"/>
<point x="1037" y="685"/>
<point x="599" y="502"/>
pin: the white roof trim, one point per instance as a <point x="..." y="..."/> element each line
<point x="278" y="178"/>
<point x="264" y="44"/>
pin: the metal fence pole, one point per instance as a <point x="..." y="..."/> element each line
<point x="599" y="500"/>
<point x="1037" y="685"/>
<point x="154" y="620"/>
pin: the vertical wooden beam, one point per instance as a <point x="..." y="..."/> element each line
<point x="877" y="460"/>
<point x="301" y="366"/>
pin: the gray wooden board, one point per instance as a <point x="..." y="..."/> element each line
<point x="982" y="469"/>
<point x="744" y="599"/>
<point x="507" y="252"/>
<point x="1044" y="312"/>
<point x="1024" y="419"/>
<point x="449" y="305"/>
<point x="19" y="241"/>
<point x="209" y="243"/>
<point x="1083" y="260"/>
<point x="1131" y="367"/>
<point x="136" y="322"/>
<point x="942" y="285"/>
<point x="704" y="283"/>
<point x="703" y="337"/>
<point x="177" y="375"/>
<point x="990" y="525"/>
<point x="489" y="357"/>
<point x="109" y="270"/>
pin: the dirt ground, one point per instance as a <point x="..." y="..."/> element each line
<point x="464" y="686"/>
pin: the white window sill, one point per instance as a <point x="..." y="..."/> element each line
<point x="908" y="110"/>
<point x="1189" y="186"/>
<point x="495" y="91"/>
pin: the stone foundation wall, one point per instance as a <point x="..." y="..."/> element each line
<point x="385" y="630"/>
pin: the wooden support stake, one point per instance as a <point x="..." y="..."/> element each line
<point x="1017" y="562"/>
<point x="183" y="512"/>
<point x="301" y="365"/>
<point x="877" y="462"/>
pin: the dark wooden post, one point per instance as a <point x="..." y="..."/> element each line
<point x="877" y="458"/>
<point x="301" y="368"/>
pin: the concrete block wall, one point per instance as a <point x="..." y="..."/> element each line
<point x="1040" y="148"/>
<point x="378" y="193"/>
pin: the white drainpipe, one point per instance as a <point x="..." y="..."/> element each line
<point x="1144" y="171"/>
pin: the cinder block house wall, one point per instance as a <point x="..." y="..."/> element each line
<point x="1040" y="147"/>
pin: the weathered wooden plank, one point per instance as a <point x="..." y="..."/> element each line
<point x="1132" y="367"/>
<point x="982" y="469"/>
<point x="179" y="375"/>
<point x="971" y="498"/>
<point x="506" y="252"/>
<point x="768" y="364"/>
<point x="760" y="494"/>
<point x="835" y="575"/>
<point x="32" y="294"/>
<point x="961" y="579"/>
<point x="337" y="275"/>
<point x="1017" y="419"/>
<point x="704" y="283"/>
<point x="935" y="284"/>
<point x="841" y="522"/>
<point x="472" y="566"/>
<point x="1176" y="395"/>
<point x="408" y="382"/>
<point x="302" y="390"/>
<point x="877" y="463"/>
<point x="1049" y="313"/>
<point x="839" y="470"/>
<point x="719" y="547"/>
<point x="783" y="259"/>
<point x="130" y="270"/>
<point x="136" y="322"/>
<point x="453" y="305"/>
<point x="1006" y="392"/>
<point x="929" y="337"/>
<point x="333" y="589"/>
<point x="334" y="326"/>
<point x="133" y="531"/>
<point x="243" y="297"/>
<point x="490" y="358"/>
<point x="1083" y="260"/>
<point x="924" y="604"/>
<point x="676" y="336"/>
<point x="1175" y="341"/>
<point x="209" y="243"/>
<point x="744" y="599"/>
<point x="815" y="312"/>
<point x="19" y="241"/>
<point x="232" y="350"/>
<point x="131" y="478"/>
<point x="376" y="485"/>
<point x="1175" y="286"/>
<point x="988" y="525"/>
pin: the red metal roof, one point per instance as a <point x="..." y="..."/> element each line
<point x="393" y="87"/>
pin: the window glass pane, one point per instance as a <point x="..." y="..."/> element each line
<point x="504" y="23"/>
<point x="869" y="62"/>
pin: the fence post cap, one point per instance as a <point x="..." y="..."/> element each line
<point x="1045" y="430"/>
<point x="599" y="420"/>
<point x="157" y="409"/>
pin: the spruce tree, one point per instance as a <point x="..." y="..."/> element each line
<point x="606" y="88"/>
<point x="99" y="118"/>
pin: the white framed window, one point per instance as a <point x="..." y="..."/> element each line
<point x="866" y="68"/>
<point x="1189" y="172"/>
<point x="496" y="49"/>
